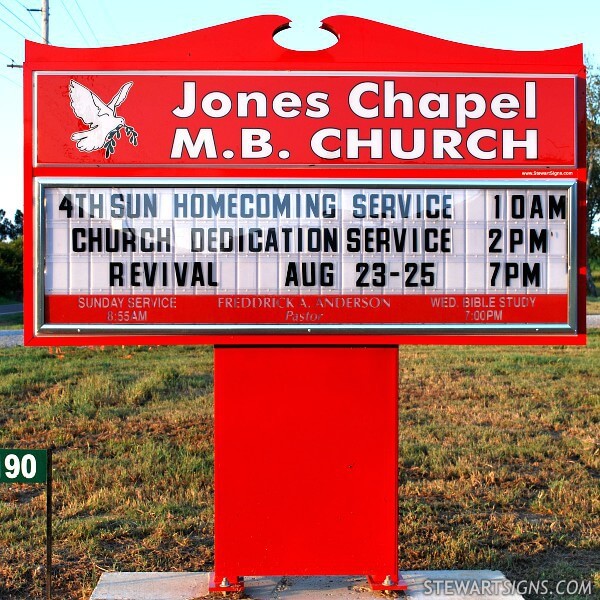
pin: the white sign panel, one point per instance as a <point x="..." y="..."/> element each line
<point x="417" y="253"/>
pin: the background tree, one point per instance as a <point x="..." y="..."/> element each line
<point x="9" y="229"/>
<point x="593" y="173"/>
<point x="11" y="269"/>
<point x="11" y="256"/>
<point x="18" y="224"/>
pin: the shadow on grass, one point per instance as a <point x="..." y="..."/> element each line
<point x="14" y="321"/>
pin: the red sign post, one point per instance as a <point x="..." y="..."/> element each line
<point x="306" y="212"/>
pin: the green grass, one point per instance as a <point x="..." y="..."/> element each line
<point x="592" y="305"/>
<point x="499" y="462"/>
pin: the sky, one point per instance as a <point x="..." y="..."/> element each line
<point x="508" y="24"/>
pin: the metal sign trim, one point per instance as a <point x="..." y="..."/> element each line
<point x="315" y="73"/>
<point x="41" y="328"/>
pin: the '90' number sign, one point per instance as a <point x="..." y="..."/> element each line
<point x="23" y="466"/>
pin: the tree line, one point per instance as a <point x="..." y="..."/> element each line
<point x="11" y="256"/>
<point x="593" y="175"/>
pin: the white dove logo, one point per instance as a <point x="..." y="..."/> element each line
<point x="104" y="124"/>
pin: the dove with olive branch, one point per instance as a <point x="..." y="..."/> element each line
<point x="104" y="124"/>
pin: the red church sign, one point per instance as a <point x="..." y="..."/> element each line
<point x="189" y="190"/>
<point x="305" y="212"/>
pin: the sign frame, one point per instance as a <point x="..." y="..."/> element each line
<point x="364" y="47"/>
<point x="395" y="329"/>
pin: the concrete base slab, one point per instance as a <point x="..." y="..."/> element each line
<point x="422" y="585"/>
<point x="151" y="586"/>
<point x="459" y="585"/>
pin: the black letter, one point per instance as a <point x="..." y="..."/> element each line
<point x="116" y="274"/>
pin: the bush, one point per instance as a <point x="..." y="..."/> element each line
<point x="11" y="269"/>
<point x="594" y="247"/>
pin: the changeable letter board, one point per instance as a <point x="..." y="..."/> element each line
<point x="389" y="257"/>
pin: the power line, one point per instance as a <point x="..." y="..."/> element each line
<point x="18" y="2"/>
<point x="86" y="21"/>
<point x="109" y="18"/>
<point x="28" y="12"/>
<point x="7" y="56"/>
<point x="19" y="19"/>
<point x="12" y="81"/>
<point x="75" y="23"/>
<point x="11" y="27"/>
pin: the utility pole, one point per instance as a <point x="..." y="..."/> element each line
<point x="45" y="21"/>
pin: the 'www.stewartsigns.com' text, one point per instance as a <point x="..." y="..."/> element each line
<point x="504" y="587"/>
